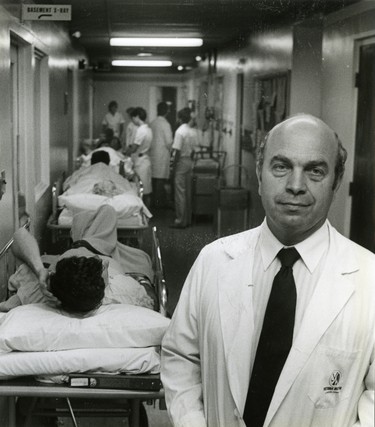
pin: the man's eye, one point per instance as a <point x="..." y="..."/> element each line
<point x="279" y="167"/>
<point x="318" y="172"/>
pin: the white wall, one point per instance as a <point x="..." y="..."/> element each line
<point x="53" y="40"/>
<point x="339" y="96"/>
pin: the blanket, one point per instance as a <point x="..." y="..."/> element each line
<point x="99" y="229"/>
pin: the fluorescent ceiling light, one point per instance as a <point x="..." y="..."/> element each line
<point x="156" y="42"/>
<point x="140" y="63"/>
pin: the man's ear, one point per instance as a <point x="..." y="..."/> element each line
<point x="337" y="186"/>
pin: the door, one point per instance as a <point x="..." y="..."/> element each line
<point x="362" y="229"/>
<point x="169" y="95"/>
<point x="239" y="125"/>
<point x="15" y="107"/>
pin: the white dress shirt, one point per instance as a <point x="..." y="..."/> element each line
<point x="306" y="272"/>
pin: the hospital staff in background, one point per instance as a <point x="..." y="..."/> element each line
<point x="162" y="140"/>
<point x="131" y="128"/>
<point x="275" y="326"/>
<point x="113" y="120"/>
<point x="139" y="151"/>
<point x="185" y="140"/>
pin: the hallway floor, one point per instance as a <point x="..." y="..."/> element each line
<point x="179" y="248"/>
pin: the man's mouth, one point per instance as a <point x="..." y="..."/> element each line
<point x="293" y="206"/>
<point x="303" y="205"/>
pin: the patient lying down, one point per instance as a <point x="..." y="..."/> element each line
<point x="92" y="273"/>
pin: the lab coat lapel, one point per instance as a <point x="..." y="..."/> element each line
<point x="331" y="294"/>
<point x="236" y="314"/>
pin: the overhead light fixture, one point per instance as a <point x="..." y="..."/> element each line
<point x="144" y="54"/>
<point x="180" y="68"/>
<point x="156" y="42"/>
<point x="140" y="63"/>
<point x="198" y="58"/>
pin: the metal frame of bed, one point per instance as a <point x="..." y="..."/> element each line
<point x="128" y="403"/>
<point x="62" y="232"/>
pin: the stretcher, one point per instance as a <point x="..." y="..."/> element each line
<point x="130" y="233"/>
<point x="60" y="400"/>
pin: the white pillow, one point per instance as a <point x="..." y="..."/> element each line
<point x="37" y="327"/>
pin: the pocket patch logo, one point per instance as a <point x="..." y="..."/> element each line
<point x="334" y="381"/>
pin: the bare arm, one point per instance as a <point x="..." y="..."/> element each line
<point x="131" y="149"/>
<point x="26" y="249"/>
<point x="176" y="154"/>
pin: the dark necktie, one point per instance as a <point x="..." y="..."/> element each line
<point x="275" y="340"/>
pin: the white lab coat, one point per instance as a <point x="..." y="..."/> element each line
<point x="160" y="147"/>
<point x="205" y="356"/>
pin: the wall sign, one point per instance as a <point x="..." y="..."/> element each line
<point x="46" y="12"/>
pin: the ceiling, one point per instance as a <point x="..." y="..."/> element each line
<point x="218" y="22"/>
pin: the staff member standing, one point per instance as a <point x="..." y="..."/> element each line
<point x="162" y="139"/>
<point x="113" y="120"/>
<point x="183" y="148"/>
<point x="275" y="326"/>
<point x="131" y="128"/>
<point x="139" y="150"/>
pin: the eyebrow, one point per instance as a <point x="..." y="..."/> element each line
<point x="316" y="163"/>
<point x="309" y="165"/>
<point x="280" y="158"/>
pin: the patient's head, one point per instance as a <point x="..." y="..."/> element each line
<point x="100" y="156"/>
<point x="115" y="143"/>
<point x="78" y="283"/>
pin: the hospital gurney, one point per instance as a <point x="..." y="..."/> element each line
<point x="129" y="230"/>
<point x="60" y="399"/>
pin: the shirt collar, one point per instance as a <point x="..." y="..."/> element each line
<point x="310" y="249"/>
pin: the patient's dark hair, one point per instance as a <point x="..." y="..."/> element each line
<point x="78" y="283"/>
<point x="100" y="156"/>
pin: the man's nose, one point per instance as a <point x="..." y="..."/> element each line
<point x="296" y="183"/>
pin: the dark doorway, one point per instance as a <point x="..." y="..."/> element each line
<point x="362" y="228"/>
<point x="169" y="95"/>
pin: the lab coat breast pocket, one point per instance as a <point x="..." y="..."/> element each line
<point x="333" y="376"/>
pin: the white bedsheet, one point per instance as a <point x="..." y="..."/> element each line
<point x="130" y="209"/>
<point x="113" y="360"/>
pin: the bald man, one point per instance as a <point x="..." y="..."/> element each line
<point x="263" y="339"/>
